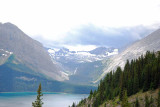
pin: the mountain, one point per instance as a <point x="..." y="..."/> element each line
<point x="24" y="63"/>
<point x="17" y="77"/>
<point x="4" y="55"/>
<point x="97" y="54"/>
<point x="149" y="43"/>
<point x="139" y="75"/>
<point x="12" y="80"/>
<point x="28" y="52"/>
<point x="82" y="64"/>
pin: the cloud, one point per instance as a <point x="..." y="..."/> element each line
<point x="53" y="18"/>
<point x="91" y="35"/>
<point x="112" y="37"/>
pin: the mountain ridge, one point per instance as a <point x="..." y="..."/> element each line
<point x="28" y="51"/>
<point x="149" y="43"/>
<point x="82" y="64"/>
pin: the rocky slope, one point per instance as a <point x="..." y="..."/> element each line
<point x="149" y="43"/>
<point x="82" y="64"/>
<point x="4" y="55"/>
<point x="131" y="99"/>
<point x="29" y="52"/>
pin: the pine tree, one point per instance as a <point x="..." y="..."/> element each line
<point x="38" y="102"/>
<point x="125" y="99"/>
<point x="90" y="95"/>
<point x="146" y="101"/>
<point x="91" y="92"/>
<point x="95" y="103"/>
<point x="137" y="103"/>
<point x="121" y="88"/>
<point x="94" y="93"/>
<point x="138" y="74"/>
<point x="73" y="105"/>
<point x="136" y="83"/>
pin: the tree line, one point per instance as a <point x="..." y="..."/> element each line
<point x="140" y="74"/>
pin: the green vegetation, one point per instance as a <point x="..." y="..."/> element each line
<point x="16" y="77"/>
<point x="137" y="103"/>
<point x="73" y="105"/>
<point x="125" y="99"/>
<point x="140" y="74"/>
<point x="146" y="101"/>
<point x="89" y="71"/>
<point x="38" y="102"/>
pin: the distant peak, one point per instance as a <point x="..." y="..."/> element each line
<point x="8" y="24"/>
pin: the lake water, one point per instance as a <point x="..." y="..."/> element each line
<point x="25" y="99"/>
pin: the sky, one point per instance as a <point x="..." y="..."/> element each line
<point x="82" y="24"/>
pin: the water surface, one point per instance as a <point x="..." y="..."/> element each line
<point x="25" y="99"/>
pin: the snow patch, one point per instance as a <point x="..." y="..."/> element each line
<point x="51" y="51"/>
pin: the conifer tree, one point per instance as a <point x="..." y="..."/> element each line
<point x="125" y="99"/>
<point x="138" y="74"/>
<point x="90" y="95"/>
<point x="136" y="82"/>
<point x="38" y="102"/>
<point x="146" y="101"/>
<point x="121" y="88"/>
<point x="91" y="92"/>
<point x="94" y="93"/>
<point x="137" y="103"/>
<point x="73" y="105"/>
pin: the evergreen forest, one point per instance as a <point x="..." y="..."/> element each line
<point x="140" y="74"/>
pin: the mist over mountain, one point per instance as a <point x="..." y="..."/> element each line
<point x="149" y="43"/>
<point x="85" y="35"/>
<point x="28" y="52"/>
<point x="101" y="50"/>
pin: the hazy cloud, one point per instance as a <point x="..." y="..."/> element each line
<point x="115" y="37"/>
<point x="97" y="36"/>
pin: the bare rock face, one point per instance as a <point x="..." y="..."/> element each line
<point x="28" y="51"/>
<point x="149" y="43"/>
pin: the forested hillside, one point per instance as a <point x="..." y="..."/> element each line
<point x="140" y="74"/>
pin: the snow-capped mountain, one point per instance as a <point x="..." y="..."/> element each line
<point x="4" y="55"/>
<point x="97" y="54"/>
<point x="82" y="64"/>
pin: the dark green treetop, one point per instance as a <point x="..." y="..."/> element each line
<point x="38" y="102"/>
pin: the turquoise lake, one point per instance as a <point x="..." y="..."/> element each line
<point x="25" y="99"/>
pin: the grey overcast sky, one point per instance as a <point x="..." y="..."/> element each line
<point x="73" y="23"/>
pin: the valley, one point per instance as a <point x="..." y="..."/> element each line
<point x="24" y="63"/>
<point x="82" y="64"/>
<point x="80" y="53"/>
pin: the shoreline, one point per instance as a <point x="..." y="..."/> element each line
<point x="44" y="93"/>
